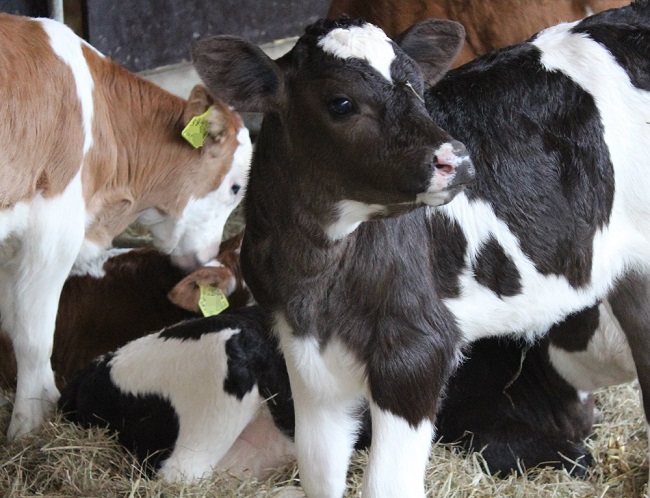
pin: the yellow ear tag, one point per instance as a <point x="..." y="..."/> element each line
<point x="212" y="300"/>
<point x="197" y="129"/>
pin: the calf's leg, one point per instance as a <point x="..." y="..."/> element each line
<point x="326" y="390"/>
<point x="630" y="302"/>
<point x="207" y="431"/>
<point x="30" y="285"/>
<point x="398" y="455"/>
<point x="406" y="376"/>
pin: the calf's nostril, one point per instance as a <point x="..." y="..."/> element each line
<point x="442" y="166"/>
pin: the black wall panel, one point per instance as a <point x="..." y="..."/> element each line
<point x="144" y="34"/>
<point x="34" y="8"/>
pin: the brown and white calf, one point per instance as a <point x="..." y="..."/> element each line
<point x="488" y="24"/>
<point x="88" y="148"/>
<point x="374" y="262"/>
<point x="135" y="292"/>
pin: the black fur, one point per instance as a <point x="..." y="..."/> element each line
<point x="194" y="328"/>
<point x="575" y="332"/>
<point x="508" y="401"/>
<point x="496" y="270"/>
<point x="537" y="144"/>
<point x="146" y="425"/>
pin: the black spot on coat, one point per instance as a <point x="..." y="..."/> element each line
<point x="496" y="270"/>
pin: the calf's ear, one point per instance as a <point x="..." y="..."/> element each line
<point x="198" y="102"/>
<point x="433" y="44"/>
<point x="186" y="293"/>
<point x="238" y="72"/>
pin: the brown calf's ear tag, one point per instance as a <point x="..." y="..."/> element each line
<point x="212" y="300"/>
<point x="197" y="129"/>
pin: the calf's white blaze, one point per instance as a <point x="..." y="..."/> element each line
<point x="200" y="228"/>
<point x="366" y="42"/>
<point x="242" y="158"/>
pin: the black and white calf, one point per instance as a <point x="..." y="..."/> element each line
<point x="369" y="304"/>
<point x="516" y="409"/>
<point x="205" y="394"/>
<point x="526" y="405"/>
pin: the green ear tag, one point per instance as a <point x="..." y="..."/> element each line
<point x="197" y="129"/>
<point x="212" y="300"/>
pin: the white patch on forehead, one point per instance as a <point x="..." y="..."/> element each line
<point x="366" y="42"/>
<point x="350" y="214"/>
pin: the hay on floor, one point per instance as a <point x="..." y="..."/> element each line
<point x="65" y="460"/>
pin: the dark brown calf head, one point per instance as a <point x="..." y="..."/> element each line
<point x="345" y="114"/>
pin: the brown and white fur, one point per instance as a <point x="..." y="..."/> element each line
<point x="87" y="149"/>
<point x="134" y="293"/>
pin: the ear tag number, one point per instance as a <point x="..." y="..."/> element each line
<point x="197" y="129"/>
<point x="212" y="300"/>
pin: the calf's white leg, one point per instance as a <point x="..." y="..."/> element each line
<point x="31" y="279"/>
<point x="398" y="456"/>
<point x="207" y="431"/>
<point x="325" y="432"/>
<point x="326" y="386"/>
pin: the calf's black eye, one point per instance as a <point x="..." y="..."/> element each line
<point x="340" y="106"/>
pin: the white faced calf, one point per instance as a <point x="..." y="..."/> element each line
<point x="88" y="148"/>
<point x="367" y="304"/>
